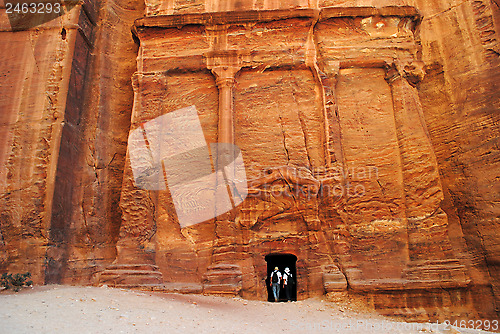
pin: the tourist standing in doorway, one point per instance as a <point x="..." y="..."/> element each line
<point x="288" y="282"/>
<point x="275" y="283"/>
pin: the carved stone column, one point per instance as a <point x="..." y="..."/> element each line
<point x="421" y="177"/>
<point x="431" y="256"/>
<point x="224" y="66"/>
<point x="225" y="83"/>
<point x="224" y="276"/>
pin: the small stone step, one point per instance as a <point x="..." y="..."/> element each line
<point x="130" y="272"/>
<point x="183" y="288"/>
<point x="222" y="288"/>
<point x="143" y="287"/>
<point x="223" y="279"/>
<point x="130" y="275"/>
<point x="147" y="267"/>
<point x="126" y="280"/>
<point x="333" y="279"/>
<point x="187" y="288"/>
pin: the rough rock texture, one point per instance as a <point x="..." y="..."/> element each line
<point x="92" y="206"/>
<point x="369" y="137"/>
<point x="43" y="75"/>
<point x="65" y="117"/>
<point x="312" y="112"/>
<point x="333" y="279"/>
<point x="130" y="276"/>
<point x="460" y="96"/>
<point x="222" y="278"/>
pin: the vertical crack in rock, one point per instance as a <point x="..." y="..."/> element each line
<point x="446" y="10"/>
<point x="94" y="164"/>
<point x="90" y="243"/>
<point x="33" y="36"/>
<point x="383" y="190"/>
<point x="295" y="200"/>
<point x="284" y="139"/>
<point x="149" y="236"/>
<point x="302" y="124"/>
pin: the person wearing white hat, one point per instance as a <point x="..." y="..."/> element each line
<point x="275" y="283"/>
<point x="288" y="283"/>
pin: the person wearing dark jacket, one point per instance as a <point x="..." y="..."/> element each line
<point x="275" y="283"/>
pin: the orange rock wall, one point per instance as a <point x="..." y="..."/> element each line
<point x="64" y="152"/>
<point x="305" y="98"/>
<point x="370" y="140"/>
<point x="92" y="236"/>
<point x="66" y="110"/>
<point x="460" y="97"/>
<point x="41" y="79"/>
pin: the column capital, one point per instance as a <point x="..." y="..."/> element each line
<point x="330" y="67"/>
<point x="412" y="71"/>
<point x="224" y="64"/>
<point x="391" y="72"/>
<point x="224" y="77"/>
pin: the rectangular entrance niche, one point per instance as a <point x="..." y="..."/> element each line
<point x="282" y="261"/>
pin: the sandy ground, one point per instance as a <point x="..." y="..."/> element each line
<point x="62" y="309"/>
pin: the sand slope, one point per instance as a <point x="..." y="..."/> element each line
<point x="62" y="309"/>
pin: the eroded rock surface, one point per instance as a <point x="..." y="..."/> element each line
<point x="368" y="133"/>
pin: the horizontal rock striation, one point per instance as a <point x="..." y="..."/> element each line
<point x="368" y="132"/>
<point x="318" y="101"/>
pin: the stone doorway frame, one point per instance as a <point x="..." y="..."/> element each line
<point x="281" y="260"/>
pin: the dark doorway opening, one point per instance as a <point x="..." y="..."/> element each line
<point x="281" y="261"/>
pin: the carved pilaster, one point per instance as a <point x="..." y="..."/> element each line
<point x="423" y="192"/>
<point x="224" y="65"/>
<point x="225" y="84"/>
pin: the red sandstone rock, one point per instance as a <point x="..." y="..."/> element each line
<point x="390" y="208"/>
<point x="355" y="158"/>
<point x="222" y="278"/>
<point x="333" y="279"/>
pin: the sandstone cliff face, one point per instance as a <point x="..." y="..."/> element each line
<point x="41" y="77"/>
<point x="62" y="160"/>
<point x="330" y="101"/>
<point x="460" y="97"/>
<point x="96" y="171"/>
<point x="305" y="102"/>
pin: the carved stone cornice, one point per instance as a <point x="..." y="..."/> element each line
<point x="220" y="18"/>
<point x="242" y="39"/>
<point x="395" y="11"/>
